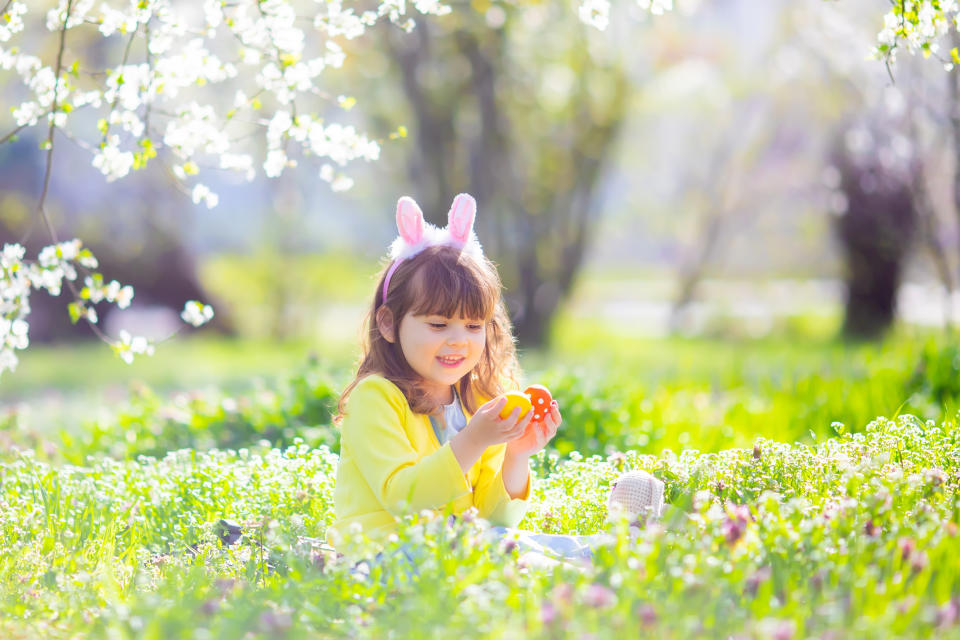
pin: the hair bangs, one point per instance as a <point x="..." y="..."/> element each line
<point x="454" y="286"/>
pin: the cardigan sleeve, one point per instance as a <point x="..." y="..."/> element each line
<point x="490" y="497"/>
<point x="399" y="477"/>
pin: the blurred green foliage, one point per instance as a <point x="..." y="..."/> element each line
<point x="301" y="407"/>
<point x="650" y="396"/>
<point x="280" y="295"/>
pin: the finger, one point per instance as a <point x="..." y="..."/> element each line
<point x="497" y="409"/>
<point x="521" y="428"/>
<point x="552" y="432"/>
<point x="496" y="405"/>
<point x="526" y="419"/>
<point x="555" y="412"/>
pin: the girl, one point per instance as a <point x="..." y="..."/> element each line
<point x="420" y="424"/>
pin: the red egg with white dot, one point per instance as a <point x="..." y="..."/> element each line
<point x="540" y="398"/>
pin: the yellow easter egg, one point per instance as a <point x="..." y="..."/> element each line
<point x="515" y="399"/>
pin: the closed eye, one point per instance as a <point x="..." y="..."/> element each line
<point x="438" y="325"/>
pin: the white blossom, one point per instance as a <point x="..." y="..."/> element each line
<point x="128" y="346"/>
<point x="201" y="192"/>
<point x="595" y="13"/>
<point x="111" y="161"/>
<point x="12" y="23"/>
<point x="209" y="84"/>
<point x="196" y="313"/>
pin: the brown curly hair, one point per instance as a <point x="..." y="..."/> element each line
<point x="444" y="281"/>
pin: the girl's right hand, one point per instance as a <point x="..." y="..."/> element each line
<point x="490" y="429"/>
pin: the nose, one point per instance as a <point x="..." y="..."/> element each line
<point x="457" y="337"/>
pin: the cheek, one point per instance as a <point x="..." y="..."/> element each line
<point x="479" y="343"/>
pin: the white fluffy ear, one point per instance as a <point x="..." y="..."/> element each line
<point x="460" y="219"/>
<point x="409" y="220"/>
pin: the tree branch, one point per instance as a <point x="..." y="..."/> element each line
<point x="53" y="124"/>
<point x="14" y="132"/>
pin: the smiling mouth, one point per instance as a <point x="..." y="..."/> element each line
<point x="451" y="361"/>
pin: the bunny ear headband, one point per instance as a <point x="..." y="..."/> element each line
<point x="417" y="234"/>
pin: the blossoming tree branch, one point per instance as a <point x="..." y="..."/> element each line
<point x="219" y="85"/>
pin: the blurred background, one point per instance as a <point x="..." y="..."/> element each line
<point x="717" y="223"/>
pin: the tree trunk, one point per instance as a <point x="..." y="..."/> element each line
<point x="875" y="233"/>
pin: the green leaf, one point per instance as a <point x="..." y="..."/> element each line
<point x="76" y="310"/>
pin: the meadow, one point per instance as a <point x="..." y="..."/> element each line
<point x="812" y="489"/>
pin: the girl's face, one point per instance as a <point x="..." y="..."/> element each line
<point x="442" y="350"/>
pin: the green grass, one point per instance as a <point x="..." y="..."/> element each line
<point x="856" y="536"/>
<point x="184" y="363"/>
<point x="793" y="513"/>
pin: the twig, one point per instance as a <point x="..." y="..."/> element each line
<point x="116" y="98"/>
<point x="14" y="132"/>
<point x="146" y="46"/>
<point x="53" y="123"/>
<point x="49" y="167"/>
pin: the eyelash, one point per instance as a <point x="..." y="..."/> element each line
<point x="441" y="325"/>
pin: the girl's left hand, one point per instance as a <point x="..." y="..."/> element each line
<point x="537" y="434"/>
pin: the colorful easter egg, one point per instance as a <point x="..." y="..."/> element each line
<point x="515" y="399"/>
<point x="540" y="398"/>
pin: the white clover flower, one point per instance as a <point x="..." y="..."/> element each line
<point x="196" y="313"/>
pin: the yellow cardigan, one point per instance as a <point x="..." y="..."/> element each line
<point x="391" y="463"/>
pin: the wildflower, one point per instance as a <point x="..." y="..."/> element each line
<point x="784" y="630"/>
<point x="275" y="621"/>
<point x="647" y="614"/>
<point x="919" y="561"/>
<point x="758" y="577"/>
<point x="948" y="614"/>
<point x="617" y="459"/>
<point x="548" y="613"/>
<point x="906" y="547"/>
<point x="935" y="477"/>
<point x="562" y="593"/>
<point x="599" y="596"/>
<point x="871" y="528"/>
<point x="736" y="523"/>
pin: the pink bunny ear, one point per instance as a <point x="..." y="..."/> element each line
<point x="409" y="220"/>
<point x="460" y="218"/>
